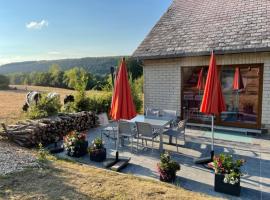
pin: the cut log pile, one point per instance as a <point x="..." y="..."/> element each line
<point x="30" y="133"/>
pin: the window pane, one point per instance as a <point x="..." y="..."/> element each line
<point x="242" y="103"/>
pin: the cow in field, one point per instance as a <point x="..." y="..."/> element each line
<point x="33" y="97"/>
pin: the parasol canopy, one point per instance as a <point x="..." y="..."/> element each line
<point x="237" y="80"/>
<point x="122" y="106"/>
<point x="213" y="100"/>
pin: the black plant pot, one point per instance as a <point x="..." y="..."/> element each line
<point x="226" y="188"/>
<point x="98" y="155"/>
<point x="79" y="150"/>
<point x="167" y="176"/>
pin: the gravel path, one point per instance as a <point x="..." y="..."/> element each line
<point x="14" y="158"/>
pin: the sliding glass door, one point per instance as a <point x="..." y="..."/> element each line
<point x="241" y="86"/>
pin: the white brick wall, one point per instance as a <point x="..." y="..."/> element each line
<point x="162" y="84"/>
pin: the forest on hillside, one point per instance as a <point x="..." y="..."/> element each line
<point x="94" y="65"/>
<point x="57" y="77"/>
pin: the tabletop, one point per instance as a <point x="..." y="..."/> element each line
<point x="155" y="121"/>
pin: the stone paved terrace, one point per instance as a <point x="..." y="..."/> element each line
<point x="255" y="150"/>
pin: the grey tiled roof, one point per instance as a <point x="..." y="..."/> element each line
<point x="195" y="27"/>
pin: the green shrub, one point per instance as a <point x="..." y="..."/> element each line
<point x="42" y="153"/>
<point x="69" y="107"/>
<point x="45" y="107"/>
<point x="82" y="103"/>
<point x="100" y="101"/>
<point x="136" y="90"/>
<point x="4" y="82"/>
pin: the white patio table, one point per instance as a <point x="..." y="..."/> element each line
<point x="156" y="122"/>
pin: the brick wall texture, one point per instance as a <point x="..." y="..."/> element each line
<point x="162" y="79"/>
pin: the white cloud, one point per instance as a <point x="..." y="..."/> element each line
<point x="37" y="25"/>
<point x="54" y="53"/>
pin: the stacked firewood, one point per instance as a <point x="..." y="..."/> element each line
<point x="30" y="133"/>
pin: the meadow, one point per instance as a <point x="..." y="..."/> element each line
<point x="12" y="101"/>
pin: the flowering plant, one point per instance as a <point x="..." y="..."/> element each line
<point x="167" y="168"/>
<point x="96" y="144"/>
<point x="97" y="150"/>
<point x="74" y="141"/>
<point x="224" y="164"/>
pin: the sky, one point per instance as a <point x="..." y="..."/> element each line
<point x="55" y="29"/>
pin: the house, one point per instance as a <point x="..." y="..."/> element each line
<point x="178" y="48"/>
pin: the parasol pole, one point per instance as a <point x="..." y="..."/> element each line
<point x="212" y="146"/>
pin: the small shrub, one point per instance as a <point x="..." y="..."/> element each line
<point x="136" y="91"/>
<point x="82" y="103"/>
<point x="4" y="82"/>
<point x="167" y="168"/>
<point x="100" y="101"/>
<point x="42" y="153"/>
<point x="45" y="107"/>
<point x="97" y="151"/>
<point x="97" y="144"/>
<point x="69" y="107"/>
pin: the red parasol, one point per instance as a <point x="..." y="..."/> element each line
<point x="200" y="84"/>
<point x="213" y="101"/>
<point x="237" y="80"/>
<point x="122" y="106"/>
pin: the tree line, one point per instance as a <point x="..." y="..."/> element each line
<point x="55" y="77"/>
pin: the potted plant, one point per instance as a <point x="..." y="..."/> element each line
<point x="227" y="174"/>
<point x="75" y="144"/>
<point x="167" y="168"/>
<point x="97" y="151"/>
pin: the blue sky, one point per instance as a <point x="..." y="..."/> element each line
<point x="53" y="29"/>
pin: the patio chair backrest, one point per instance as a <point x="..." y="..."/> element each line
<point x="144" y="129"/>
<point x="169" y="113"/>
<point x="152" y="112"/>
<point x="103" y="119"/>
<point x="124" y="128"/>
<point x="181" y="125"/>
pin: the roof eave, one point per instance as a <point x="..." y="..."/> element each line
<point x="202" y="53"/>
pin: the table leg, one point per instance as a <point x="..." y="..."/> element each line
<point x="161" y="142"/>
<point x="170" y="139"/>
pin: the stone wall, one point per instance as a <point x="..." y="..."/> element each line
<point x="162" y="83"/>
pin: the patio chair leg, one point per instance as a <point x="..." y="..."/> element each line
<point x="131" y="144"/>
<point x="137" y="144"/>
<point x="152" y="145"/>
<point x="176" y="143"/>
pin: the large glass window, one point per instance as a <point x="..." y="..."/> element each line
<point x="241" y="90"/>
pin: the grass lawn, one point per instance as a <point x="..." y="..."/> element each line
<point x="66" y="180"/>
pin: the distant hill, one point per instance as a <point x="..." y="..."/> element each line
<point x="95" y="65"/>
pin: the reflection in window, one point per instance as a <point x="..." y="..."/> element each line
<point x="241" y="103"/>
<point x="240" y="86"/>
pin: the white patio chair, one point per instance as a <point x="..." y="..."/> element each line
<point x="177" y="132"/>
<point x="125" y="130"/>
<point x="152" y="112"/>
<point x="171" y="114"/>
<point x="146" y="132"/>
<point x="109" y="128"/>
